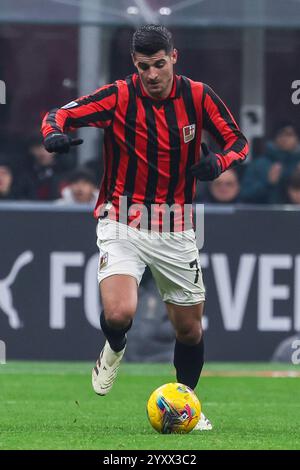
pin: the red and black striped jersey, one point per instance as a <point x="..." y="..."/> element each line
<point x="150" y="145"/>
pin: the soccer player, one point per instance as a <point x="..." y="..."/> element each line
<point x="153" y="121"/>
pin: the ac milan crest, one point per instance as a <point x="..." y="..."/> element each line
<point x="103" y="259"/>
<point x="189" y="133"/>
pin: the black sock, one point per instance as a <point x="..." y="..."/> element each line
<point x="115" y="337"/>
<point x="188" y="362"/>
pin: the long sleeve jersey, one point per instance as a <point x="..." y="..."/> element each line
<point x="150" y="145"/>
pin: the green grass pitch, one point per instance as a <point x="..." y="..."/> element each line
<point x="52" y="406"/>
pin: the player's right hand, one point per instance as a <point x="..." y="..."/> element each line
<point x="60" y="143"/>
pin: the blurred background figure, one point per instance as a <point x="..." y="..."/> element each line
<point x="265" y="178"/>
<point x="81" y="188"/>
<point x="47" y="171"/>
<point x="6" y="182"/>
<point x="293" y="188"/>
<point x="224" y="190"/>
<point x="12" y="186"/>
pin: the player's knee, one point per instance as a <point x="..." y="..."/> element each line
<point x="119" y="317"/>
<point x="190" y="335"/>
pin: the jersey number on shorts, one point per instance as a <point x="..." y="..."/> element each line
<point x="192" y="264"/>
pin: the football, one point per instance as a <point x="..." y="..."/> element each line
<point x="173" y="408"/>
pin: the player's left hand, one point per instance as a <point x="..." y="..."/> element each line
<point x="209" y="166"/>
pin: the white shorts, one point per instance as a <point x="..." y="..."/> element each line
<point x="173" y="259"/>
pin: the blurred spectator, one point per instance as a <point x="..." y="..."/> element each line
<point x="46" y="170"/>
<point x="6" y="181"/>
<point x="293" y="188"/>
<point x="81" y="188"/>
<point x="12" y="187"/>
<point x="223" y="190"/>
<point x="265" y="177"/>
<point x="95" y="165"/>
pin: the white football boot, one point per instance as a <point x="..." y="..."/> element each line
<point x="203" y="424"/>
<point x="106" y="369"/>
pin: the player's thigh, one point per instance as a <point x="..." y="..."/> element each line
<point x="177" y="271"/>
<point x="119" y="295"/>
<point x="186" y="319"/>
<point x="120" y="270"/>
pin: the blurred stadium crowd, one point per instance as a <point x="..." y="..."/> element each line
<point x="42" y="176"/>
<point x="256" y="41"/>
<point x="272" y="176"/>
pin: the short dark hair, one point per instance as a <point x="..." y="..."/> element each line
<point x="282" y="126"/>
<point x="150" y="38"/>
<point x="82" y="174"/>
